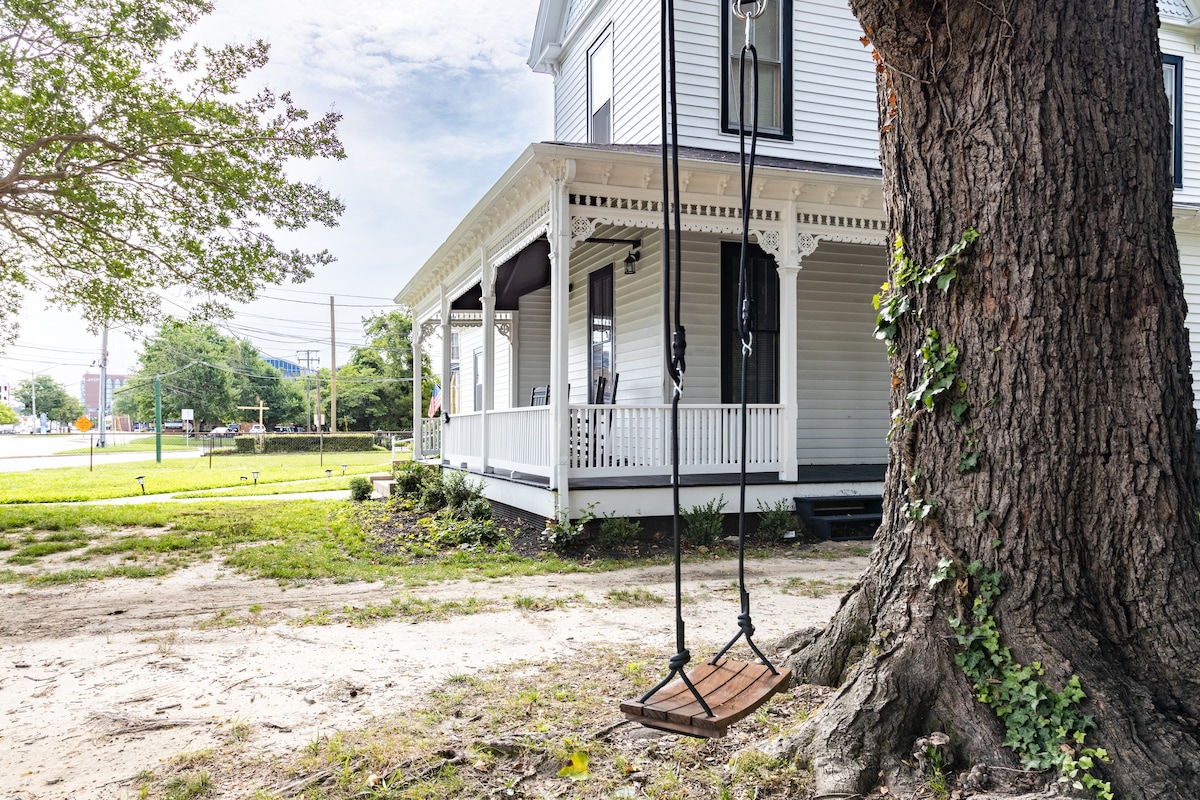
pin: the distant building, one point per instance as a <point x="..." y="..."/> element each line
<point x="288" y="368"/>
<point x="89" y="391"/>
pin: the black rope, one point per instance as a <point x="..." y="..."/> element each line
<point x="676" y="361"/>
<point x="745" y="329"/>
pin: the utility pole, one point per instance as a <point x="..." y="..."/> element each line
<point x="158" y="419"/>
<point x="103" y="385"/>
<point x="33" y="398"/>
<point x="308" y="356"/>
<point x="332" y="370"/>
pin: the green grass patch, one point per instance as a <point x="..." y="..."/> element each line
<point x="141" y="445"/>
<point x="79" y="575"/>
<point x="31" y="552"/>
<point x="318" y="485"/>
<point x="633" y="597"/>
<point x="73" y="484"/>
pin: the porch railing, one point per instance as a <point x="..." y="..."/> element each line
<point x="635" y="440"/>
<point x="431" y="437"/>
<point x="608" y="440"/>
<point x="519" y="439"/>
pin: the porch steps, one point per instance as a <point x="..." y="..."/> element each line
<point x="382" y="484"/>
<point x="853" y="515"/>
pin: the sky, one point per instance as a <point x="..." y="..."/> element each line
<point x="437" y="101"/>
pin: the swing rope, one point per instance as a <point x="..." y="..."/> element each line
<point x="745" y="328"/>
<point x="674" y="329"/>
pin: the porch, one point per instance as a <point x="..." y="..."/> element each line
<point x="609" y="441"/>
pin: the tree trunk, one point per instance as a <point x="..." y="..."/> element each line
<point x="1073" y="471"/>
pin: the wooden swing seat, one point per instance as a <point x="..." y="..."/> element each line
<point x="732" y="689"/>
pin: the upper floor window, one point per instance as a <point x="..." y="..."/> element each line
<point x="600" y="90"/>
<point x="773" y="41"/>
<point x="1173" y="83"/>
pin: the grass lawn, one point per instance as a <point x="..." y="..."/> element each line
<point x="301" y="540"/>
<point x="318" y="485"/>
<point x="142" y="444"/>
<point x="72" y="484"/>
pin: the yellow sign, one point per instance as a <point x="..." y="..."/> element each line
<point x="83" y="424"/>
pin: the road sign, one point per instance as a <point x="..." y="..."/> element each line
<point x="187" y="413"/>
<point x="83" y="424"/>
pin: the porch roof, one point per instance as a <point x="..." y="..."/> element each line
<point x="522" y="192"/>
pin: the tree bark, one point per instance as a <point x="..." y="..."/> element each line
<point x="1044" y="126"/>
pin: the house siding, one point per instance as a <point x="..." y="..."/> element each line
<point x="533" y="344"/>
<point x="842" y="371"/>
<point x="470" y="339"/>
<point x="1189" y="263"/>
<point x="834" y="116"/>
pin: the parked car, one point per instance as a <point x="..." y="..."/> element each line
<point x="285" y="428"/>
<point x="256" y="429"/>
<point x="234" y="428"/>
<point x="220" y="431"/>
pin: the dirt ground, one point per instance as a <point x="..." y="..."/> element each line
<point x="103" y="680"/>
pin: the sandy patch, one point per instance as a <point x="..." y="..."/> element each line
<point x="105" y="679"/>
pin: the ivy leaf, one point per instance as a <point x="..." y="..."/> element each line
<point x="969" y="461"/>
<point x="943" y="281"/>
<point x="577" y="770"/>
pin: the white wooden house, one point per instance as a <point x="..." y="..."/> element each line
<point x="551" y="287"/>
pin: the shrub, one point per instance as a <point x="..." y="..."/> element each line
<point x="705" y="523"/>
<point x="561" y="533"/>
<point x="616" y="531"/>
<point x="360" y="489"/>
<point x="410" y="478"/>
<point x="458" y="490"/>
<point x="433" y="494"/>
<point x="245" y="444"/>
<point x="312" y="443"/>
<point x="476" y="508"/>
<point x="775" y="519"/>
<point x="446" y="529"/>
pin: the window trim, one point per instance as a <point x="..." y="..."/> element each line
<point x="598" y="277"/>
<point x="731" y="350"/>
<point x="606" y="36"/>
<point x="786" y="67"/>
<point x="1177" y="122"/>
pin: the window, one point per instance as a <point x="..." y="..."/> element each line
<point x="762" y="375"/>
<point x="1173" y="83"/>
<point x="773" y="41"/>
<point x="454" y="346"/>
<point x="600" y="90"/>
<point x="600" y="323"/>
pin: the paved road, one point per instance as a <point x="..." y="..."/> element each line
<point x="21" y="453"/>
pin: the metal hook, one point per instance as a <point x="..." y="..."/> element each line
<point x="760" y="6"/>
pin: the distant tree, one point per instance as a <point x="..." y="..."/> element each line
<point x="128" y="167"/>
<point x="375" y="388"/>
<point x="53" y="399"/>
<point x="7" y="415"/>
<point x="255" y="379"/>
<point x="193" y="360"/>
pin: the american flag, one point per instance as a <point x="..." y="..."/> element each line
<point x="435" y="402"/>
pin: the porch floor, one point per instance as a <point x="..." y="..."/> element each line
<point x="819" y="473"/>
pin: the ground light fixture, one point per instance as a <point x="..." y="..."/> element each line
<point x="329" y="473"/>
<point x="255" y="474"/>
<point x="243" y="477"/>
<point x="344" y="468"/>
<point x="141" y="479"/>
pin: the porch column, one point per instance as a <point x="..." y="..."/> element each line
<point x="560" y="274"/>
<point x="447" y="335"/>
<point x="418" y="408"/>
<point x="488" y="302"/>
<point x="788" y="352"/>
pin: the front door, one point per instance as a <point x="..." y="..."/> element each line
<point x="762" y="369"/>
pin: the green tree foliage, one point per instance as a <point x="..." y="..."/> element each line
<point x="210" y="373"/>
<point x="129" y="164"/>
<point x="53" y="399"/>
<point x="374" y="391"/>
<point x="7" y="415"/>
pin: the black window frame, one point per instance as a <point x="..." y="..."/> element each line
<point x="601" y="298"/>
<point x="767" y="333"/>
<point x="729" y="53"/>
<point x="1177" y="121"/>
<point x="605" y="35"/>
